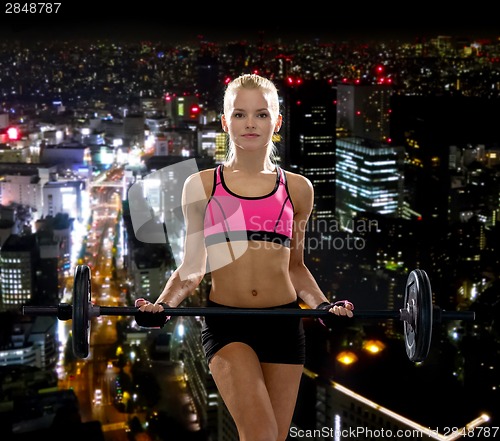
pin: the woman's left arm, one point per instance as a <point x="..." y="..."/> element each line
<point x="302" y="194"/>
<point x="308" y="290"/>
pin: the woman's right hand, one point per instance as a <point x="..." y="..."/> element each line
<point x="150" y="315"/>
<point x="146" y="306"/>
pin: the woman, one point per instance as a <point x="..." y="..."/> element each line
<point x="246" y="221"/>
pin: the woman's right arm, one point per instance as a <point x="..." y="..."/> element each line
<point x="189" y="274"/>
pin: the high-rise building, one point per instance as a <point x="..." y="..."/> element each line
<point x="65" y="196"/>
<point x="212" y="141"/>
<point x="22" y="188"/>
<point x="364" y="110"/>
<point x="369" y="170"/>
<point x="309" y="139"/>
<point x="442" y="137"/>
<point x="18" y="263"/>
<point x="32" y="344"/>
<point x="369" y="178"/>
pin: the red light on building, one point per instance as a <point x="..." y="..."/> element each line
<point x="384" y="80"/>
<point x="194" y="111"/>
<point x="294" y="81"/>
<point x="13" y="134"/>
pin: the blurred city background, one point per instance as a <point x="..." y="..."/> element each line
<point x="401" y="140"/>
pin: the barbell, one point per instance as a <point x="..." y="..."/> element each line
<point x="417" y="315"/>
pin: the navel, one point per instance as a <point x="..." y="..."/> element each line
<point x="254" y="292"/>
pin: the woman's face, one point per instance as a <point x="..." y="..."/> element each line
<point x="249" y="120"/>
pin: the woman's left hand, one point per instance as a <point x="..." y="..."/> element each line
<point x="342" y="307"/>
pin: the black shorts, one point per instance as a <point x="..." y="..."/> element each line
<point x="275" y="339"/>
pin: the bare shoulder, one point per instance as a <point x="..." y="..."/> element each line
<point x="298" y="185"/>
<point x="301" y="193"/>
<point x="198" y="186"/>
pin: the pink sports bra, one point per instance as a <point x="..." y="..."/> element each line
<point x="231" y="217"/>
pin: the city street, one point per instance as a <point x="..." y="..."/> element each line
<point x="94" y="379"/>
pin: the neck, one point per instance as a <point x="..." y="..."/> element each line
<point x="254" y="162"/>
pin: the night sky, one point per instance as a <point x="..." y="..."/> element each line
<point x="224" y="21"/>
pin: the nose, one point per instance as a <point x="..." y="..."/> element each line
<point x="250" y="123"/>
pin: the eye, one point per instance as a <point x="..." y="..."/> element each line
<point x="263" y="115"/>
<point x="238" y="115"/>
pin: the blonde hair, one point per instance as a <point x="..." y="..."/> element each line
<point x="253" y="81"/>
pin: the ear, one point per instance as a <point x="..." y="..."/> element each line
<point x="279" y="121"/>
<point x="223" y="122"/>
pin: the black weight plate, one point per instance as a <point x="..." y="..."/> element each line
<point x="418" y="302"/>
<point x="81" y="311"/>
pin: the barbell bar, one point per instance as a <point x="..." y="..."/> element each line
<point x="417" y="316"/>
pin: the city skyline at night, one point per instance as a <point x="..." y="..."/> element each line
<point x="423" y="115"/>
